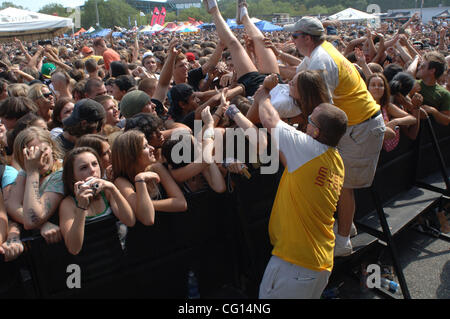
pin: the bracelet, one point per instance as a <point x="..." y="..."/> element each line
<point x="140" y="181"/>
<point x="232" y="111"/>
<point x="209" y="133"/>
<point x="82" y="208"/>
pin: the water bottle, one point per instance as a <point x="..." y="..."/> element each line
<point x="390" y="285"/>
<point x="193" y="292"/>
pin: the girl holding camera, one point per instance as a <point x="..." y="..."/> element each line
<point x="89" y="197"/>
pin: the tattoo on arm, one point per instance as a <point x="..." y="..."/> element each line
<point x="32" y="214"/>
<point x="35" y="185"/>
<point x="47" y="206"/>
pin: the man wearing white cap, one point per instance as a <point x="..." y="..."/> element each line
<point x="361" y="145"/>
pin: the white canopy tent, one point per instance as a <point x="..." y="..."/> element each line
<point x="27" y="25"/>
<point x="353" y="15"/>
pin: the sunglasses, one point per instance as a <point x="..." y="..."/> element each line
<point x="310" y="121"/>
<point x="46" y="95"/>
<point x="296" y="35"/>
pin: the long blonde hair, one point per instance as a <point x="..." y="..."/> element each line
<point x="29" y="134"/>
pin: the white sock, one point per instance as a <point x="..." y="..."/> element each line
<point x="244" y="11"/>
<point x="342" y="240"/>
<point x="212" y="4"/>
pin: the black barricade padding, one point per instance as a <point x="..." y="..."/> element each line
<point x="201" y="235"/>
<point x="211" y="228"/>
<point x="10" y="280"/>
<point x="254" y="200"/>
<point x="101" y="256"/>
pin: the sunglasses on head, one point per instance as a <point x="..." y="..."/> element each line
<point x="310" y="121"/>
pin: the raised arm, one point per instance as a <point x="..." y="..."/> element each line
<point x="51" y="56"/>
<point x="22" y="48"/>
<point x="166" y="73"/>
<point x="352" y="44"/>
<point x="37" y="209"/>
<point x="212" y="174"/>
<point x="214" y="58"/>
<point x="268" y="115"/>
<point x="283" y="56"/>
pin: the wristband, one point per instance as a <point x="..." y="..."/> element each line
<point x="82" y="208"/>
<point x="140" y="181"/>
<point x="209" y="133"/>
<point x="232" y="111"/>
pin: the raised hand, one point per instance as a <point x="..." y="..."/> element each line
<point x="33" y="158"/>
<point x="207" y="117"/>
<point x="51" y="233"/>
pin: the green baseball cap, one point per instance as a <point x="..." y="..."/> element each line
<point x="47" y="69"/>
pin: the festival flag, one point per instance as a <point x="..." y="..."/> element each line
<point x="155" y="16"/>
<point x="162" y="16"/>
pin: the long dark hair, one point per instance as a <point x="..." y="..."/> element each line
<point x="69" y="159"/>
<point x="385" y="99"/>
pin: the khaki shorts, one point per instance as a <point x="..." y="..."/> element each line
<point x="360" y="148"/>
<point x="283" y="280"/>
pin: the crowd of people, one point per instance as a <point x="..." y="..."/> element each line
<point x="93" y="127"/>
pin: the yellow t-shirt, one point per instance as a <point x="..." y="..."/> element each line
<point x="301" y="221"/>
<point x="347" y="88"/>
<point x="95" y="57"/>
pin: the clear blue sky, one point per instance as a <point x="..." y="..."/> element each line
<point x="36" y="5"/>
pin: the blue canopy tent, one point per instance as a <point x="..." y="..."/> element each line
<point x="206" y="26"/>
<point x="233" y="25"/>
<point x="266" y="26"/>
<point x="100" y="33"/>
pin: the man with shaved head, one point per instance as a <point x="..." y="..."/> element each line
<point x="301" y="221"/>
<point x="61" y="84"/>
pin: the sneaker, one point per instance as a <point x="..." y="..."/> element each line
<point x="239" y="5"/>
<point x="353" y="230"/>
<point x="343" y="250"/>
<point x="209" y="5"/>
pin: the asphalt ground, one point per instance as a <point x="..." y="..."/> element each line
<point x="425" y="261"/>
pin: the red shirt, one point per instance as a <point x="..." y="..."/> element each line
<point x="109" y="56"/>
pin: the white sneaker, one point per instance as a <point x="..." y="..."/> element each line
<point x="209" y="5"/>
<point x="240" y="11"/>
<point x="353" y="230"/>
<point x="340" y="250"/>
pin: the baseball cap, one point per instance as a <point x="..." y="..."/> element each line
<point x="47" y="69"/>
<point x="85" y="109"/>
<point x="309" y="25"/>
<point x="146" y="54"/>
<point x="87" y="50"/>
<point x="133" y="102"/>
<point x="190" y="56"/>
